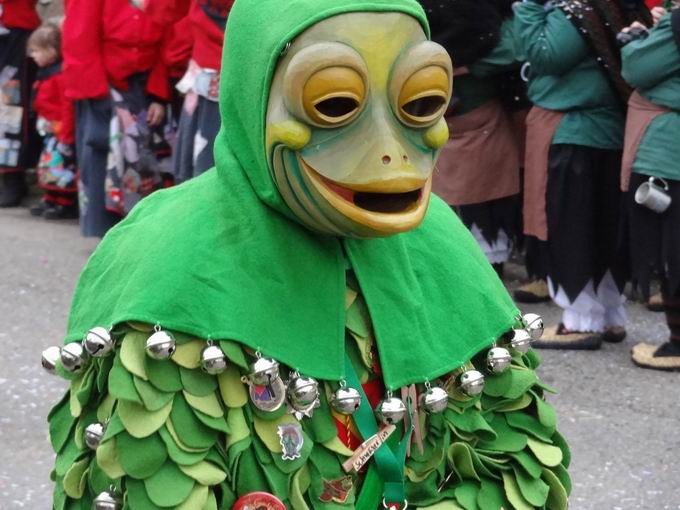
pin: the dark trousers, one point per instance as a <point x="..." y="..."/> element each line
<point x="93" y="119"/>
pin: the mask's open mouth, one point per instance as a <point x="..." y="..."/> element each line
<point x="388" y="203"/>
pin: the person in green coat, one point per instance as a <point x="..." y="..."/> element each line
<point x="572" y="198"/>
<point x="305" y="326"/>
<point x="652" y="66"/>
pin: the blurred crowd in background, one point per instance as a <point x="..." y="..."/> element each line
<point x="563" y="143"/>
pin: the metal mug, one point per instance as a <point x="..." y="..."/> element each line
<point x="654" y="196"/>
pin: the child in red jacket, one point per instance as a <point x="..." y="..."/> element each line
<point x="56" y="169"/>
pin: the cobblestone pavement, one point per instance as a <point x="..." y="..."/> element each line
<point x="623" y="422"/>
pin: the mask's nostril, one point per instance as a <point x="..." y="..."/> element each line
<point x="386" y="160"/>
<point x="405" y="158"/>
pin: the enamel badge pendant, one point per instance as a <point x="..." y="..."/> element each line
<point x="259" y="501"/>
<point x="336" y="491"/>
<point x="266" y="388"/>
<point x="303" y="396"/>
<point x="291" y="439"/>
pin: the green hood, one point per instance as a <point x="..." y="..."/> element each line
<point x="221" y="258"/>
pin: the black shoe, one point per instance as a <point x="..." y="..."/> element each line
<point x="60" y="212"/>
<point x="13" y="190"/>
<point x="614" y="334"/>
<point x="39" y="208"/>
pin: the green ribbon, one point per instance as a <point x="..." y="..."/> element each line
<point x="388" y="462"/>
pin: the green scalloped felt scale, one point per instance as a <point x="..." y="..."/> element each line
<point x="205" y="473"/>
<point x="133" y="354"/>
<point x="137" y="498"/>
<point x="197" y="498"/>
<point x="152" y="398"/>
<point x="75" y="479"/>
<point x="176" y="453"/>
<point x="234" y="352"/>
<point x="197" y="382"/>
<point x="168" y="487"/>
<point x="164" y="375"/>
<point x="190" y="429"/>
<point x="491" y="496"/>
<point x="61" y="423"/>
<point x="460" y="459"/>
<point x="232" y="390"/>
<point x="140" y="422"/>
<point x="140" y="458"/>
<point x="513" y="493"/>
<point x="527" y="423"/>
<point x="219" y="424"/>
<point x="188" y="355"/>
<point x="547" y="454"/>
<point x="207" y="404"/>
<point x="107" y="459"/>
<point x="466" y="494"/>
<point x="529" y="463"/>
<point x="557" y="497"/>
<point x="121" y="384"/>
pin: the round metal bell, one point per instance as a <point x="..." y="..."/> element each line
<point x="498" y="360"/>
<point x="521" y="340"/>
<point x="302" y="392"/>
<point x="534" y="325"/>
<point x="74" y="357"/>
<point x="471" y="382"/>
<point x="161" y="345"/>
<point x="213" y="360"/>
<point x="108" y="500"/>
<point x="391" y="410"/>
<point x="98" y="342"/>
<point x="434" y="400"/>
<point x="264" y="371"/>
<point x="50" y="356"/>
<point x="94" y="433"/>
<point x="346" y="401"/>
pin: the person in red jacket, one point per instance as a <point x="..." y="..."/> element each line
<point x="17" y="19"/>
<point x="115" y="73"/>
<point x="200" y="118"/>
<point x="56" y="168"/>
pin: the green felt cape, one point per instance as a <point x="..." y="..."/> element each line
<point x="221" y="257"/>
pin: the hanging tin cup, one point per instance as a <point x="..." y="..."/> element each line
<point x="653" y="195"/>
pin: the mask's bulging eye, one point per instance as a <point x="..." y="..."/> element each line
<point x="333" y="96"/>
<point x="423" y="96"/>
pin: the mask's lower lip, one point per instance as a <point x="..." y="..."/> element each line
<point x="371" y="201"/>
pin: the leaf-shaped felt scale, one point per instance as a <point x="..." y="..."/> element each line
<point x="133" y="353"/>
<point x="191" y="430"/>
<point x="561" y="443"/>
<point x="232" y="390"/>
<point x="168" y="486"/>
<point x="138" y="421"/>
<point x="144" y="327"/>
<point x="140" y="458"/>
<point x="517" y="404"/>
<point x="471" y="421"/>
<point x="205" y="473"/>
<point x="152" y="398"/>
<point x="103" y="369"/>
<point x="298" y="487"/>
<point x="532" y="467"/>
<point x="522" y="381"/>
<point x="508" y="440"/>
<point x="76" y="479"/>
<point x="113" y="427"/>
<point x="238" y="427"/>
<point x="164" y="375"/>
<point x="178" y="441"/>
<point x="197" y="382"/>
<point x="527" y="423"/>
<point x="68" y="455"/>
<point x="121" y="384"/>
<point x="534" y="490"/>
<point x="443" y="505"/>
<point x="563" y="475"/>
<point x="460" y="457"/>
<point x="337" y="446"/>
<point x="197" y="498"/>
<point x="188" y="355"/>
<point x="497" y="385"/>
<point x="234" y="352"/>
<point x="546" y="413"/>
<point x="177" y="454"/>
<point x="137" y="498"/>
<point x="466" y="494"/>
<point x="547" y="454"/>
<point x="210" y="502"/>
<point x="107" y="459"/>
<point x="557" y="497"/>
<point x="105" y="409"/>
<point x="97" y="479"/>
<point x="491" y="496"/>
<point x="219" y="424"/>
<point x="208" y="404"/>
<point x="513" y="493"/>
<point x="61" y="423"/>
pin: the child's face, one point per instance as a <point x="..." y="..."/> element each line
<point x="43" y="56"/>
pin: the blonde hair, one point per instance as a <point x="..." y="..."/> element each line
<point x="46" y="36"/>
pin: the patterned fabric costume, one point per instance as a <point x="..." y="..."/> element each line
<point x="223" y="262"/>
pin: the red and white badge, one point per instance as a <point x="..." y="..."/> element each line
<point x="259" y="501"/>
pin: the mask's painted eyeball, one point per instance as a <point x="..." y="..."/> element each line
<point x="333" y="96"/>
<point x="423" y="96"/>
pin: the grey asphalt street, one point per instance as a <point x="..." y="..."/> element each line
<point x="623" y="422"/>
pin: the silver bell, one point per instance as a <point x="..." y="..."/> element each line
<point x="521" y="340"/>
<point x="346" y="401"/>
<point x="434" y="400"/>
<point x="213" y="360"/>
<point x="98" y="342"/>
<point x="161" y="345"/>
<point x="108" y="500"/>
<point x="94" y="433"/>
<point x="73" y="357"/>
<point x="264" y="371"/>
<point x="302" y="392"/>
<point x="498" y="360"/>
<point x="472" y="383"/>
<point x="391" y="410"/>
<point x="50" y="356"/>
<point x="534" y="325"/>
